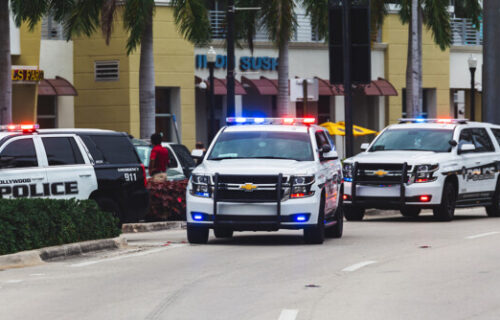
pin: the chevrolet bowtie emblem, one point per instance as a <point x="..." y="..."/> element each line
<point x="381" y="173"/>
<point x="248" y="187"/>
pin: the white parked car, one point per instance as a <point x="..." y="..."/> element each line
<point x="267" y="174"/>
<point x="438" y="164"/>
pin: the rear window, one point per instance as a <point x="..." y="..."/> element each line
<point x="109" y="149"/>
<point x="183" y="155"/>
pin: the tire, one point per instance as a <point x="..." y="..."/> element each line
<point x="109" y="205"/>
<point x="494" y="209"/>
<point x="197" y="235"/>
<point x="336" y="230"/>
<point x="446" y="210"/>
<point x="316" y="234"/>
<point x="221" y="233"/>
<point x="410" y="212"/>
<point x="354" y="213"/>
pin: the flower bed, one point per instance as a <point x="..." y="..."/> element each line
<point x="167" y="200"/>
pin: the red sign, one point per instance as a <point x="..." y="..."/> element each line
<point x="27" y="75"/>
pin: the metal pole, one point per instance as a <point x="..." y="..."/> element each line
<point x="231" y="100"/>
<point x="347" y="78"/>
<point x="211" y="125"/>
<point x="491" y="64"/>
<point x="306" y="96"/>
<point x="472" y="94"/>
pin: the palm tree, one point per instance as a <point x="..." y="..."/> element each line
<point x="276" y="16"/>
<point x="86" y="16"/>
<point x="23" y="11"/>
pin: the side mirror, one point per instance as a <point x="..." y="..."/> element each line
<point x="453" y="143"/>
<point x="197" y="154"/>
<point x="364" y="146"/>
<point x="467" y="147"/>
<point x="325" y="148"/>
<point x="329" y="156"/>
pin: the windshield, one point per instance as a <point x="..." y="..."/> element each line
<point x="263" y="145"/>
<point x="436" y="140"/>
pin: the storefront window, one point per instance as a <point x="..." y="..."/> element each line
<point x="46" y="112"/>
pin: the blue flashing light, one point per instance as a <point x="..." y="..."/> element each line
<point x="300" y="218"/>
<point x="348" y="179"/>
<point x="259" y="120"/>
<point x="198" y="216"/>
<point x="203" y="194"/>
<point x="241" y="120"/>
<point x="420" y="120"/>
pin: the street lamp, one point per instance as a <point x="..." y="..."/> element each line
<point x="211" y="58"/>
<point x="472" y="67"/>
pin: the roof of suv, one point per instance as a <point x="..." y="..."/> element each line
<point x="437" y="125"/>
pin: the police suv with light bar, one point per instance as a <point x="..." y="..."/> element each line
<point x="266" y="174"/>
<point x="73" y="163"/>
<point x="438" y="164"/>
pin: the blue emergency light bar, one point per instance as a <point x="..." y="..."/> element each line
<point x="442" y="120"/>
<point x="286" y="121"/>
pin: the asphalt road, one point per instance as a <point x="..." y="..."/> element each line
<point x="386" y="267"/>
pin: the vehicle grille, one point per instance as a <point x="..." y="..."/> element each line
<point x="376" y="172"/>
<point x="242" y="179"/>
<point x="229" y="188"/>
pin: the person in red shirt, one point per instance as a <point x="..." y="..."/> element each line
<point x="159" y="158"/>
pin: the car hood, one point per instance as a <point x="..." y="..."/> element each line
<point x="255" y="166"/>
<point x="410" y="157"/>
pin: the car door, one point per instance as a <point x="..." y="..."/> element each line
<point x="328" y="170"/>
<point x="21" y="172"/>
<point x="486" y="170"/>
<point x="69" y="172"/>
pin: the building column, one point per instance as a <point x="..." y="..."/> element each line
<point x="339" y="116"/>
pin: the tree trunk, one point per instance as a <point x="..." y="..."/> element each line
<point x="283" y="102"/>
<point x="5" y="65"/>
<point x="414" y="64"/>
<point x="147" y="98"/>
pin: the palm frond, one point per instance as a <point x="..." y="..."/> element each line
<point x="83" y="18"/>
<point x="108" y="15"/>
<point x="191" y="18"/>
<point x="437" y="19"/>
<point x="317" y="10"/>
<point x="247" y="22"/>
<point x="29" y="11"/>
<point x="280" y="20"/>
<point x="60" y="9"/>
<point x="138" y="14"/>
<point x="470" y="9"/>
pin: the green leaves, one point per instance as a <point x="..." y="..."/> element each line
<point x="280" y="20"/>
<point x="27" y="224"/>
<point x="191" y="18"/>
<point x="437" y="19"/>
<point x="29" y="11"/>
<point x="138" y="14"/>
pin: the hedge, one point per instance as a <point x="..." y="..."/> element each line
<point x="167" y="200"/>
<point x="27" y="224"/>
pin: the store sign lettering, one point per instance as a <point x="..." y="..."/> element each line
<point x="27" y="75"/>
<point x="246" y="63"/>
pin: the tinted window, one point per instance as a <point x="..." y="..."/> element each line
<point x="496" y="133"/>
<point x="321" y="139"/>
<point x="482" y="141"/>
<point x="19" y="154"/>
<point x="62" y="151"/>
<point x="436" y="140"/>
<point x="183" y="155"/>
<point x="111" y="149"/>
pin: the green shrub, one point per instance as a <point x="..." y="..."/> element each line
<point x="27" y="224"/>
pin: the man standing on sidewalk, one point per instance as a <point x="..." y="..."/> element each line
<point x="159" y="159"/>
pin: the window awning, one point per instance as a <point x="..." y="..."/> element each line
<point x="220" y="87"/>
<point x="264" y="86"/>
<point x="56" y="87"/>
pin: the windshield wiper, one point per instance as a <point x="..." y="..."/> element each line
<point x="227" y="158"/>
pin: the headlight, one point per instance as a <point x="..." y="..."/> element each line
<point x="424" y="173"/>
<point x="347" y="171"/>
<point x="302" y="187"/>
<point x="200" y="186"/>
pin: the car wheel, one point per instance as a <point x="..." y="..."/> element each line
<point x="223" y="233"/>
<point x="354" y="213"/>
<point x="410" y="212"/>
<point x="446" y="209"/>
<point x="109" y="205"/>
<point x="336" y="230"/>
<point x="197" y="235"/>
<point x="494" y="209"/>
<point x="316" y="234"/>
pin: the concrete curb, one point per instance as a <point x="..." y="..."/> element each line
<point x="153" y="226"/>
<point x="37" y="257"/>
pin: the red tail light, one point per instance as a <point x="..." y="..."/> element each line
<point x="144" y="175"/>
<point x="309" y="121"/>
<point x="425" y="198"/>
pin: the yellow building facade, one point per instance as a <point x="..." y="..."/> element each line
<point x="111" y="101"/>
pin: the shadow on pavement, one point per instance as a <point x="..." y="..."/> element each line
<point x="426" y="218"/>
<point x="263" y="240"/>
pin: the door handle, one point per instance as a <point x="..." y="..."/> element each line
<point x="478" y="162"/>
<point x="85" y="175"/>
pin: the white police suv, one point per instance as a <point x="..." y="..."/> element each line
<point x="438" y="164"/>
<point x="73" y="163"/>
<point x="267" y="174"/>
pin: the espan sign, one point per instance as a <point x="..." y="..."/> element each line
<point x="246" y="63"/>
<point x="29" y="75"/>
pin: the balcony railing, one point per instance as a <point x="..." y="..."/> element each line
<point x="464" y="33"/>
<point x="305" y="32"/>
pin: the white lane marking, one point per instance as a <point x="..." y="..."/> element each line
<point x="357" y="266"/>
<point x="14" y="281"/>
<point x="288" y="314"/>
<point x="482" y="235"/>
<point x="133" y="255"/>
<point x="37" y="274"/>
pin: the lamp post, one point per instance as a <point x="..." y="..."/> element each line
<point x="472" y="67"/>
<point x="211" y="58"/>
